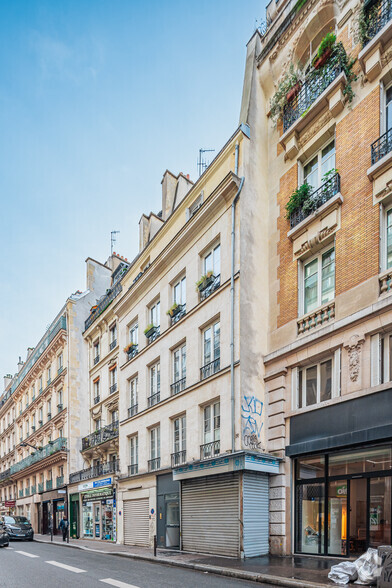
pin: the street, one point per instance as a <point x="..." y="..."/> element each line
<point x="29" y="565"/>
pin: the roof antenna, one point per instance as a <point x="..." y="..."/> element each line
<point x="112" y="240"/>
<point x="202" y="163"/>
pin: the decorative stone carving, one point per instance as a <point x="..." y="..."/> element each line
<point x="319" y="123"/>
<point x="354" y="349"/>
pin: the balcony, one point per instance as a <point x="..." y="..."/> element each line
<point x="60" y="369"/>
<point x="33" y="489"/>
<point x="154" y="399"/>
<point x="177" y="387"/>
<point x="96" y="359"/>
<point x="210" y="368"/>
<point x="314" y="85"/>
<point x="49" y="416"/>
<point x="59" y="481"/>
<point x="113" y="388"/>
<point x="132" y="410"/>
<point x="104" y="302"/>
<point x="27" y="491"/>
<point x="41" y="487"/>
<point x="382" y="146"/>
<point x="52" y="447"/>
<point x="177" y="313"/>
<point x="209" y="450"/>
<point x="133" y="469"/>
<point x="316" y="318"/>
<point x="97" y="399"/>
<point x="49" y="484"/>
<point x="152" y="333"/>
<point x="59" y="407"/>
<point x="111" y="467"/>
<point x="101" y="436"/>
<point x="132" y="352"/>
<point x="21" y="493"/>
<point x="154" y="464"/>
<point x="316" y="199"/>
<point x="178" y="458"/>
<point x="112" y="344"/>
<point x="378" y="15"/>
<point x="209" y="286"/>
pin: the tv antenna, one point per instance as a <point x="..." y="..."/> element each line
<point x="113" y="240"/>
<point x="202" y="163"/>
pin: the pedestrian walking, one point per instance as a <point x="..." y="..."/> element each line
<point x="64" y="526"/>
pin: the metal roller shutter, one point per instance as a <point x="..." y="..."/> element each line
<point x="256" y="514"/>
<point x="210" y="515"/>
<point x="136" y="522"/>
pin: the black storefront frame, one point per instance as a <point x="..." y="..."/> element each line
<point x="324" y="481"/>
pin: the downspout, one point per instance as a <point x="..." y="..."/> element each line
<point x="233" y="205"/>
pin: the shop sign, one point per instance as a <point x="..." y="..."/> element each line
<point x="101" y="494"/>
<point x="95" y="484"/>
<point x="341" y="490"/>
<point x="9" y="504"/>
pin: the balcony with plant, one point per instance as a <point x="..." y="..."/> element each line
<point x="176" y="312"/>
<point x="207" y="284"/>
<point x="374" y="33"/>
<point x="152" y="332"/>
<point x="131" y="350"/>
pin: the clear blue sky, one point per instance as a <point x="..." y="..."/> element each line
<point x="97" y="99"/>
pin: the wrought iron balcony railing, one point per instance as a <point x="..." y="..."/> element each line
<point x="314" y="85"/>
<point x="97" y="399"/>
<point x="382" y="146"/>
<point x="177" y="387"/>
<point x="59" y="481"/>
<point x="49" y="484"/>
<point x="96" y="359"/>
<point x="4" y="475"/>
<point x="132" y="410"/>
<point x="154" y="399"/>
<point x="178" y="313"/>
<point x="153" y="334"/>
<point x="59" y="444"/>
<point x="378" y="15"/>
<point x="113" y="388"/>
<point x="112" y="344"/>
<point x="132" y="352"/>
<point x="133" y="469"/>
<point x="101" y="436"/>
<point x="40" y="487"/>
<point x="316" y="199"/>
<point x="110" y="467"/>
<point x="211" y="286"/>
<point x="154" y="464"/>
<point x="210" y="368"/>
<point x="178" y="458"/>
<point x="103" y="304"/>
<point x="209" y="449"/>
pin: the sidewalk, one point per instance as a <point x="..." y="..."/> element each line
<point x="299" y="572"/>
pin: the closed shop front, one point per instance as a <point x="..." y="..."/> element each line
<point x="136" y="522"/>
<point x="210" y="511"/>
<point x="255" y="514"/>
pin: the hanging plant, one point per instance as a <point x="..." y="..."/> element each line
<point x="291" y="80"/>
<point x="298" y="199"/>
<point x="365" y="18"/>
<point x="347" y="64"/>
<point x="324" y="51"/>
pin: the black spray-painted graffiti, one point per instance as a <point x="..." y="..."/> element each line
<point x="252" y="421"/>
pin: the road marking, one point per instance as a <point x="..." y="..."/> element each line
<point x="8" y="547"/>
<point x="65" y="567"/>
<point x="118" y="583"/>
<point x="26" y="553"/>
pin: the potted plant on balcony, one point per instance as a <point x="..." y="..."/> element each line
<point x="174" y="309"/>
<point x="299" y="199"/>
<point x="205" y="281"/>
<point x="287" y="89"/>
<point x="130" y="347"/>
<point x="150" y="330"/>
<point x="324" y="51"/>
<point x="93" y="308"/>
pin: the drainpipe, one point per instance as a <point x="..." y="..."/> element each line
<point x="233" y="205"/>
<point x="237" y="148"/>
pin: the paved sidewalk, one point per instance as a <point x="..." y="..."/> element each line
<point x="299" y="572"/>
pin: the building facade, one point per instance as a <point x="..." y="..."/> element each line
<point x="327" y="157"/>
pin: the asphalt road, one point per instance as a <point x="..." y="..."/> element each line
<point x="37" y="565"/>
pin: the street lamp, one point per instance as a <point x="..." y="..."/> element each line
<point x="25" y="444"/>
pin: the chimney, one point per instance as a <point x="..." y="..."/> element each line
<point x="20" y="363"/>
<point x="7" y="381"/>
<point x="31" y="349"/>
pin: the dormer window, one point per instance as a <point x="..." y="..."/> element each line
<point x="194" y="207"/>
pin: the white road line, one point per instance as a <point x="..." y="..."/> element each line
<point x="26" y="553"/>
<point x="8" y="547"/>
<point x="118" y="583"/>
<point x="65" y="567"/>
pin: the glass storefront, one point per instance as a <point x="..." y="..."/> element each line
<point x="98" y="518"/>
<point x="343" y="501"/>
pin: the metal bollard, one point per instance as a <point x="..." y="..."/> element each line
<point x="155" y="545"/>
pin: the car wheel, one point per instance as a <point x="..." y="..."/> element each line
<point x="31" y="539"/>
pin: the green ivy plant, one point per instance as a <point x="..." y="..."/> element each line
<point x="279" y="100"/>
<point x="347" y="64"/>
<point x="298" y="198"/>
<point x="365" y="17"/>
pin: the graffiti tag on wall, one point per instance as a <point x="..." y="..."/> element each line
<point x="252" y="421"/>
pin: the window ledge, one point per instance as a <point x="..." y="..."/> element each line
<point x="370" y="56"/>
<point x="324" y="209"/>
<point x="385" y="283"/>
<point x="316" y="318"/>
<point x="380" y="166"/>
<point x="331" y="97"/>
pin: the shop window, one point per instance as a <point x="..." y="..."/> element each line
<point x="317" y="285"/>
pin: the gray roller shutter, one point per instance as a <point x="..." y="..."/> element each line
<point x="210" y="515"/>
<point x="136" y="522"/>
<point x="256" y="514"/>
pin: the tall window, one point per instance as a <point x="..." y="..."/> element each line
<point x="96" y="391"/>
<point x="133" y="396"/>
<point x="155" y="318"/>
<point x="134" y="334"/>
<point x="179" y="434"/>
<point x="112" y="336"/>
<point x="211" y="350"/>
<point x="60" y="362"/>
<point x="319" y="280"/>
<point x="155" y="384"/>
<point x="49" y="406"/>
<point x="114" y="416"/>
<point x="388" y="109"/>
<point x="319" y="165"/>
<point x="113" y="380"/>
<point x="96" y="352"/>
<point x="315" y="383"/>
<point x="179" y="291"/>
<point x="49" y="375"/>
<point x="60" y="399"/>
<point x="134" y="454"/>
<point x="212" y="261"/>
<point x="211" y="430"/>
<point x="179" y="363"/>
<point x="155" y="443"/>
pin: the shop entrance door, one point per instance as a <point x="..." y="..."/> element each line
<point x="172" y="509"/>
<point x="358" y="516"/>
<point x="97" y="519"/>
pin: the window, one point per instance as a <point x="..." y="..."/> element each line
<point x="41" y="418"/>
<point x="320" y="164"/>
<point x="96" y="424"/>
<point x="113" y="379"/>
<point x="179" y="440"/>
<point x="61" y="433"/>
<point x="155" y="318"/>
<point x="386" y="124"/>
<point x="112" y="337"/>
<point x="133" y="396"/>
<point x="211" y="262"/>
<point x="179" y="291"/>
<point x="319" y="280"/>
<point x="211" y="430"/>
<point x="40" y="383"/>
<point x="315" y="384"/>
<point x="49" y="409"/>
<point x="155" y="448"/>
<point x="134" y="334"/>
<point x="96" y="391"/>
<point x="155" y="384"/>
<point x="114" y="416"/>
<point x="49" y="375"/>
<point x="60" y="400"/>
<point x="60" y="362"/>
<point x="381" y="358"/>
<point x="133" y="455"/>
<point x="211" y="350"/>
<point x="179" y="370"/>
<point x="96" y="352"/>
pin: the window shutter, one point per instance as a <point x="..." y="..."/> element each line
<point x="375" y="375"/>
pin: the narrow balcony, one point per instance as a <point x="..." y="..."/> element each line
<point x="209" y="286"/>
<point x="378" y="15"/>
<point x="59" y="481"/>
<point x="133" y="469"/>
<point x="177" y="387"/>
<point x="97" y="399"/>
<point x="154" y="464"/>
<point x="210" y="368"/>
<point x="113" y="388"/>
<point x="40" y="487"/>
<point x="382" y="146"/>
<point x="49" y="485"/>
<point x="178" y="458"/>
<point x="132" y="352"/>
<point x="152" y="333"/>
<point x="314" y="319"/>
<point x="33" y="489"/>
<point x="209" y="450"/>
<point x="104" y="302"/>
<point x="316" y="199"/>
<point x="154" y="399"/>
<point x="177" y="313"/>
<point x="101" y="436"/>
<point x="111" y="467"/>
<point x="52" y="447"/>
<point x="112" y="344"/>
<point x="96" y="359"/>
<point x="314" y="85"/>
<point x="132" y="410"/>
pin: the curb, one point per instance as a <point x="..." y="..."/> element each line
<point x="229" y="572"/>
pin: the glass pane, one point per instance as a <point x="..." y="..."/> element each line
<point x="311" y="467"/>
<point x="389" y="109"/>
<point x="380" y="512"/>
<point x="310" y="513"/>
<point x="325" y="380"/>
<point x="207" y="346"/>
<point x="183" y="291"/>
<point x="358" y="516"/>
<point x="311" y="173"/>
<point x="208" y="263"/>
<point x="183" y="360"/>
<point x="311" y="385"/>
<point x="327" y="159"/>
<point x="300" y="389"/>
<point x="310" y="286"/>
<point x="177" y="293"/>
<point x="216" y="340"/>
<point x="357" y="462"/>
<point x="216" y="262"/>
<point x="176" y="366"/>
<point x="337" y="518"/>
<point x="328" y="276"/>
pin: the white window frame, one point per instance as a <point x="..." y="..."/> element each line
<point x="180" y="287"/>
<point x="335" y="381"/>
<point x="134" y="333"/>
<point x="318" y="152"/>
<point x="384" y="210"/>
<point x="134" y="450"/>
<point x="211" y="415"/>
<point x="154" y="313"/>
<point x="213" y="357"/>
<point x="215" y="253"/>
<point x="179" y="433"/>
<point x="301" y="276"/>
<point x="154" y="379"/>
<point x="179" y="352"/>
<point x="113" y="333"/>
<point x="113" y="376"/>
<point x="155" y="442"/>
<point x="96" y="388"/>
<point x="133" y="391"/>
<point x="59" y="361"/>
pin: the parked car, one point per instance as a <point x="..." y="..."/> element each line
<point x="17" y="527"/>
<point x="4" y="537"/>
